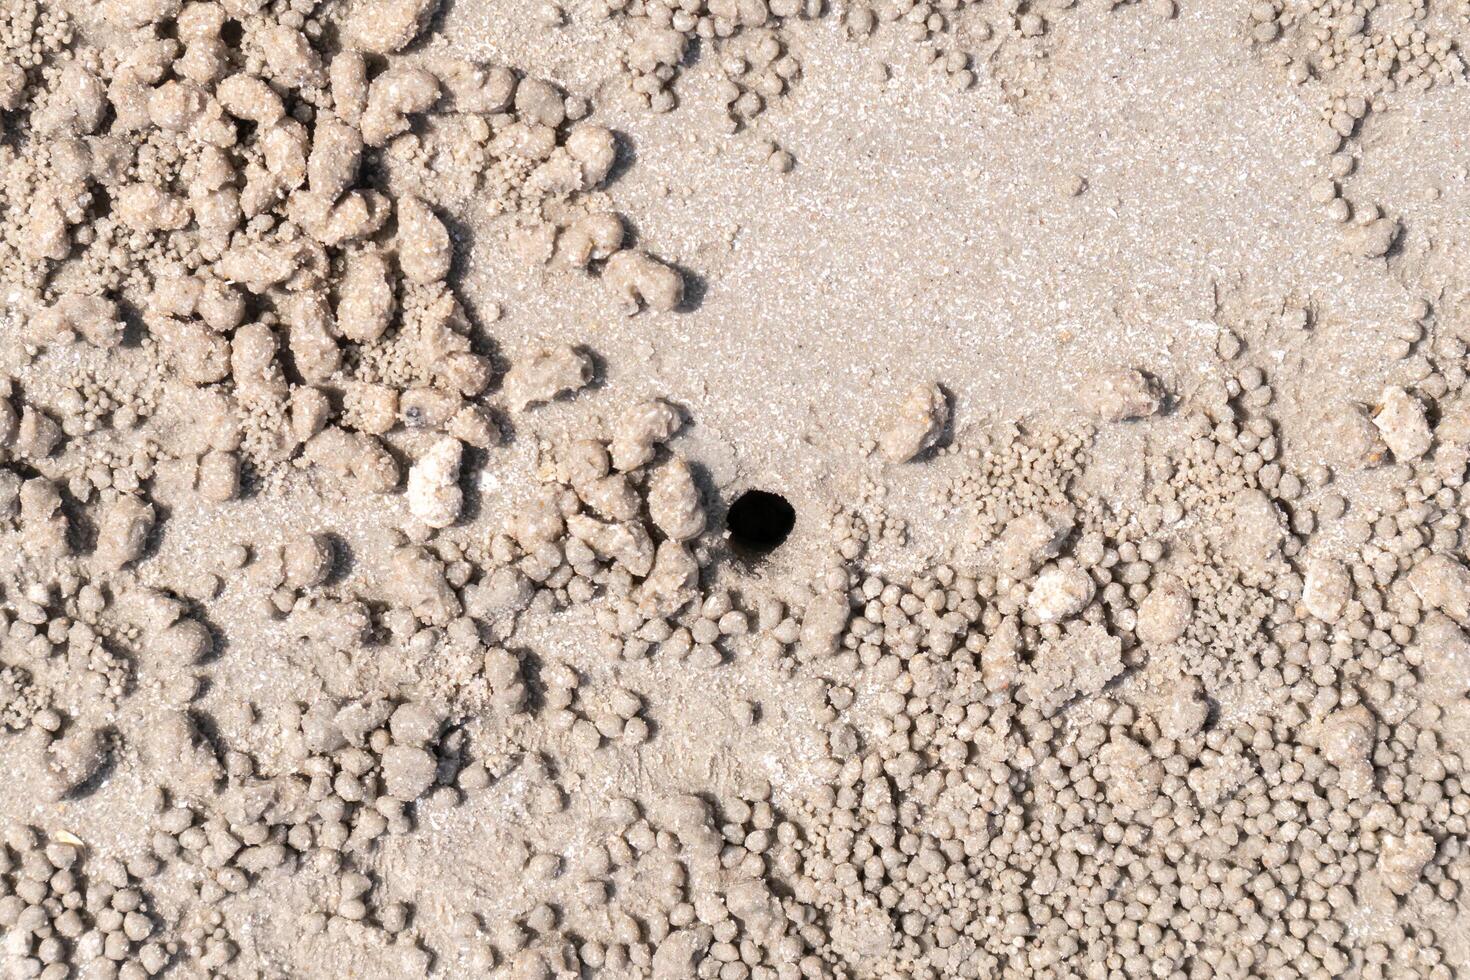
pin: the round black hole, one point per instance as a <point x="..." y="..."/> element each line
<point x="759" y="521"/>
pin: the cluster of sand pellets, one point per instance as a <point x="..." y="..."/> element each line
<point x="352" y="625"/>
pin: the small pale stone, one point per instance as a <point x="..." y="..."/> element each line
<point x="1119" y="394"/>
<point x="1444" y="584"/>
<point x="408" y="771"/>
<point x="1033" y="538"/>
<point x="434" y="494"/>
<point x="914" y="424"/>
<point x="1401" y="859"/>
<point x="1327" y="588"/>
<point x="1164" y="614"/>
<point x="1402" y="421"/>
<point x="1060" y="592"/>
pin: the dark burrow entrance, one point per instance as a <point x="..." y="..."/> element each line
<point x="758" y="522"/>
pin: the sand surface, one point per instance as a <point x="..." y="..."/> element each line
<point x="379" y="379"/>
